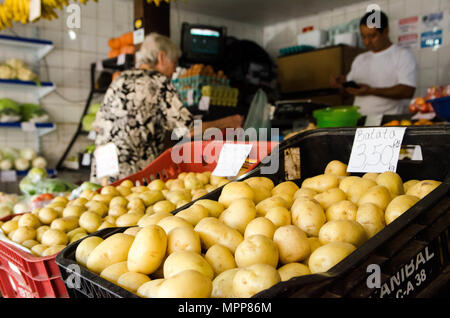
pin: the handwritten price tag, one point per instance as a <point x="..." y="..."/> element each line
<point x="106" y="159"/>
<point x="204" y="103"/>
<point x="231" y="159"/>
<point x="376" y="149"/>
<point x="190" y="97"/>
<point x="121" y="59"/>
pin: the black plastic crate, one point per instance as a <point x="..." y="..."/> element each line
<point x="422" y="229"/>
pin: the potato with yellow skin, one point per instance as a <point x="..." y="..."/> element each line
<point x="347" y="182"/>
<point x="118" y="201"/>
<point x="378" y="195"/>
<point x="23" y="233"/>
<point x="77" y="237"/>
<point x="215" y="208"/>
<point x="305" y="193"/>
<point x="131" y="281"/>
<point x="292" y="244"/>
<point x="172" y="222"/>
<point x="337" y="168"/>
<point x="113" y="249"/>
<point x="10" y="226"/>
<point x="256" y="249"/>
<point x="65" y="224"/>
<point x="257" y="182"/>
<point x="73" y="211"/>
<point x="290" y="270"/>
<point x="220" y="259"/>
<point x="223" y="284"/>
<point x="288" y="187"/>
<point x="52" y="250"/>
<point x="308" y="215"/>
<point x="212" y="231"/>
<point x="152" y="219"/>
<point x="124" y="191"/>
<point x="343" y="231"/>
<point x="183" y="239"/>
<point x="114" y="271"/>
<point x="251" y="280"/>
<point x="398" y="206"/>
<point x="104" y="198"/>
<point x="85" y="248"/>
<point x="371" y="217"/>
<point x="117" y="211"/>
<point x="90" y="221"/>
<point x="79" y="201"/>
<point x="239" y="213"/>
<point x="97" y="207"/>
<point x="40" y="231"/>
<point x="127" y="183"/>
<point x="180" y="285"/>
<point x="30" y="220"/>
<point x="260" y="226"/>
<point x="105" y="225"/>
<point x="177" y="196"/>
<point x="47" y="215"/>
<point x="30" y="243"/>
<point x="193" y="214"/>
<point x="359" y="188"/>
<point x="151" y="197"/>
<point x="132" y="230"/>
<point x="70" y="234"/>
<point x="147" y="250"/>
<point x="109" y="190"/>
<point x="342" y="210"/>
<point x="88" y="194"/>
<point x="423" y="188"/>
<point x="139" y="189"/>
<point x="371" y="175"/>
<point x="54" y="237"/>
<point x="129" y="219"/>
<point x="39" y="249"/>
<point x="233" y="191"/>
<point x="392" y="181"/>
<point x="184" y="260"/>
<point x="330" y="196"/>
<point x="197" y="194"/>
<point x="279" y="216"/>
<point x="164" y="206"/>
<point x="328" y="255"/>
<point x="264" y="206"/>
<point x="150" y="289"/>
<point x="321" y="183"/>
<point x="157" y="185"/>
<point x="408" y="184"/>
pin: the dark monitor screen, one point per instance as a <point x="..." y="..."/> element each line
<point x="202" y="43"/>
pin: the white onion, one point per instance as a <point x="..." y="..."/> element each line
<point x="39" y="162"/>
<point x="22" y="164"/>
<point x="28" y="154"/>
<point x="5" y="165"/>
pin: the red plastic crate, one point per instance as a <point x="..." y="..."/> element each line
<point x="23" y="275"/>
<point x="198" y="156"/>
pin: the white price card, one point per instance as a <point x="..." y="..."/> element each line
<point x="8" y="176"/>
<point x="138" y="36"/>
<point x="86" y="160"/>
<point x="28" y="126"/>
<point x="106" y="159"/>
<point x="190" y="97"/>
<point x="376" y="149"/>
<point x="231" y="159"/>
<point x="121" y="59"/>
<point x="35" y="10"/>
<point x="204" y="103"/>
<point x="92" y="135"/>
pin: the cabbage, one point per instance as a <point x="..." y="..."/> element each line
<point x="31" y="111"/>
<point x="54" y="186"/>
<point x="27" y="186"/>
<point x="6" y="165"/>
<point x="94" y="108"/>
<point x="28" y="154"/>
<point x="9" y="107"/>
<point x="22" y="164"/>
<point x="10" y="153"/>
<point x="37" y="174"/>
<point x="90" y="186"/>
<point x="39" y="162"/>
<point x="87" y="122"/>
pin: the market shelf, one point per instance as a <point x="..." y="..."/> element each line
<point x="38" y="48"/>
<point x="40" y="128"/>
<point x="50" y="172"/>
<point x="39" y="91"/>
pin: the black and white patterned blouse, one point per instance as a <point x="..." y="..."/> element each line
<point x="139" y="108"/>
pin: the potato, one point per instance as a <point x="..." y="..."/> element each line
<point x="54" y="237"/>
<point x="79" y="201"/>
<point x="215" y="180"/>
<point x="210" y="188"/>
<point x="30" y="243"/>
<point x="215" y="208"/>
<point x="171" y="222"/>
<point x="177" y="196"/>
<point x="330" y="196"/>
<point x="137" y="203"/>
<point x="129" y="219"/>
<point x="260" y="226"/>
<point x="423" y="188"/>
<point x="127" y="183"/>
<point x="176" y="184"/>
<point x="139" y="189"/>
<point x="47" y="215"/>
<point x="106" y="225"/>
<point x="371" y="175"/>
<point x="30" y="220"/>
<point x="337" y="168"/>
<point x="287" y="187"/>
<point x="398" y="206"/>
<point x="152" y="219"/>
<point x="52" y="250"/>
<point x="85" y="248"/>
<point x="292" y="244"/>
<point x="290" y="270"/>
<point x="60" y="199"/>
<point x="235" y="190"/>
<point x="10" y="235"/>
<point x="24" y="233"/>
<point x="157" y="185"/>
<point x="321" y="182"/>
<point x="131" y="281"/>
<point x="124" y="191"/>
<point x="279" y="216"/>
<point x="73" y="211"/>
<point x="104" y="198"/>
<point x="150" y="289"/>
<point x="40" y="231"/>
<point x="314" y="244"/>
<point x="97" y="207"/>
<point x="87" y="194"/>
<point x="180" y="285"/>
<point x="287" y="198"/>
<point x="117" y="211"/>
<point x="346" y="183"/>
<point x="392" y="181"/>
<point x="185" y="260"/>
<point x="164" y="206"/>
<point x="39" y="249"/>
<point x="90" y="221"/>
<point x="118" y="201"/>
<point x="328" y="255"/>
<point x="77" y="237"/>
<point x="308" y="215"/>
<point x="378" y="195"/>
<point x="212" y="231"/>
<point x="151" y="197"/>
<point x="193" y="214"/>
<point x="253" y="279"/>
<point x="204" y="176"/>
<point x="261" y="194"/>
<point x="113" y="249"/>
<point x="65" y="224"/>
<point x="238" y="214"/>
<point x="10" y="226"/>
<point x="304" y="192"/>
<point x="259" y="182"/>
<point x="264" y="206"/>
<point x="371" y="217"/>
<point x="148" y="250"/>
<point x="223" y="284"/>
<point x="358" y="188"/>
<point x="256" y="249"/>
<point x="132" y="230"/>
<point x="220" y="259"/>
<point x="342" y="210"/>
<point x="183" y="239"/>
<point x="114" y="271"/>
<point x="408" y="184"/>
<point x="343" y="231"/>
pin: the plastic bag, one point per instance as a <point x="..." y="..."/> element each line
<point x="259" y="113"/>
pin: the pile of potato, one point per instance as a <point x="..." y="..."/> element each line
<point x="256" y="235"/>
<point x="48" y="230"/>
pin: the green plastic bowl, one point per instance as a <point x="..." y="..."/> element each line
<point x="340" y="116"/>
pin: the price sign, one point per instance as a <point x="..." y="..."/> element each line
<point x="92" y="135"/>
<point x="121" y="59"/>
<point x="106" y="159"/>
<point x="190" y="97"/>
<point x="8" y="176"/>
<point x="138" y="36"/>
<point x="86" y="161"/>
<point x="99" y="66"/>
<point x="231" y="159"/>
<point x="28" y="127"/>
<point x="204" y="103"/>
<point x="376" y="149"/>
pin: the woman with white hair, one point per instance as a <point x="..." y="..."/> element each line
<point x="141" y="108"/>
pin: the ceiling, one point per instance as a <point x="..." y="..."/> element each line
<point x="260" y="12"/>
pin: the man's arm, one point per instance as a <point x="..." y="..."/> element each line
<point x="399" y="91"/>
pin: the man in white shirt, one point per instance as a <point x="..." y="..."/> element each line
<point x="386" y="75"/>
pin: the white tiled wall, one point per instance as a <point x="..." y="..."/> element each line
<point x="434" y="66"/>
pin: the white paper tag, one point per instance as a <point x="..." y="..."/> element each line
<point x="35" y="10"/>
<point x="99" y="66"/>
<point x="231" y="159"/>
<point x="427" y="116"/>
<point x="376" y="149"/>
<point x="86" y="161"/>
<point x="204" y="103"/>
<point x="8" y="176"/>
<point x="28" y="127"/>
<point x="92" y="135"/>
<point x="138" y="36"/>
<point x="106" y="159"/>
<point x="373" y="120"/>
<point x="121" y="59"/>
<point x="190" y="97"/>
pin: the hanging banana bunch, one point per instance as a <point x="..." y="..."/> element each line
<point x="157" y="2"/>
<point x="19" y="11"/>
